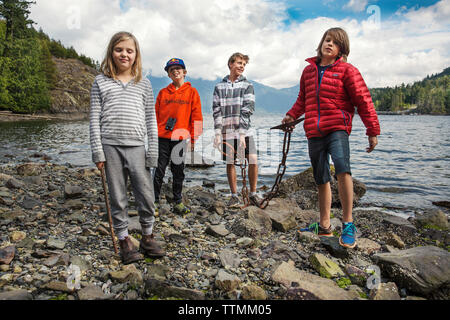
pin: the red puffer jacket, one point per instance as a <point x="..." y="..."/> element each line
<point x="330" y="106"/>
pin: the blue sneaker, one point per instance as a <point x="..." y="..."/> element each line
<point x="348" y="237"/>
<point x="317" y="229"/>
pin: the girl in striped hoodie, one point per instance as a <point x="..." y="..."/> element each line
<point x="122" y="116"/>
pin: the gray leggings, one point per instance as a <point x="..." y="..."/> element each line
<point x="122" y="162"/>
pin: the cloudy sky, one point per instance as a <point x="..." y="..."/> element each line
<point x="391" y="41"/>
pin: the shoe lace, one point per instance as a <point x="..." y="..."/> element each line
<point x="349" y="230"/>
<point x="314" y="227"/>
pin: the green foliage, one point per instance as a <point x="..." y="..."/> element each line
<point x="343" y="282"/>
<point x="429" y="96"/>
<point x="27" y="70"/>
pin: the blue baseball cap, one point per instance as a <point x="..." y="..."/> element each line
<point x="174" y="62"/>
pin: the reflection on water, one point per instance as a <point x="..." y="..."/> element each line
<point x="408" y="169"/>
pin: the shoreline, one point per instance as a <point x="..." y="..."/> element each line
<point x="8" y="116"/>
<point x="52" y="216"/>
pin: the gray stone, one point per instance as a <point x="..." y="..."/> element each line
<point x="313" y="286"/>
<point x="400" y="223"/>
<point x="29" y="169"/>
<point x="432" y="218"/>
<point x="55" y="244"/>
<point x="164" y="290"/>
<point x="129" y="273"/>
<point x="226" y="281"/>
<point x="13" y="183"/>
<point x="334" y="248"/>
<point x="57" y="286"/>
<point x="92" y="292"/>
<point x="367" y="246"/>
<point x="394" y="240"/>
<point x="253" y="292"/>
<point x="74" y="204"/>
<point x="308" y="237"/>
<point x="229" y="258"/>
<point x="7" y="254"/>
<point x="30" y="203"/>
<point x="385" y="291"/>
<point x="16" y="295"/>
<point x="282" y="212"/>
<point x="72" y="192"/>
<point x="356" y="275"/>
<point x="217" y="231"/>
<point x="422" y="270"/>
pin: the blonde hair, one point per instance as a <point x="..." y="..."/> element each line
<point x="108" y="67"/>
<point x="236" y="56"/>
<point x="340" y="37"/>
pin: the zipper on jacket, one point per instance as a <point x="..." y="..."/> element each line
<point x="319" y="83"/>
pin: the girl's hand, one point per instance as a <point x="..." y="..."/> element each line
<point x="100" y="165"/>
<point x="373" y="141"/>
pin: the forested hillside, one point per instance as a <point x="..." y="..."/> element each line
<point x="27" y="70"/>
<point x="429" y="96"/>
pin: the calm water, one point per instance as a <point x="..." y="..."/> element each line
<point x="409" y="169"/>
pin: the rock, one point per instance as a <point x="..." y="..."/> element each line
<point x="7" y="254"/>
<point x="334" y="248"/>
<point x="367" y="246"/>
<point x="309" y="237"/>
<point x="356" y="275"/>
<point x="57" y="260"/>
<point x="226" y="282"/>
<point x="55" y="244"/>
<point x="217" y="231"/>
<point x="422" y="270"/>
<point x="29" y="169"/>
<point x="385" y="291"/>
<point x="16" y="295"/>
<point x="164" y="290"/>
<point x="129" y="273"/>
<point x="282" y="212"/>
<point x="326" y="267"/>
<point x="157" y="271"/>
<point x="311" y="286"/>
<point x="400" y="223"/>
<point x="394" y="240"/>
<point x="244" y="242"/>
<point x="229" y="258"/>
<point x="72" y="192"/>
<point x="92" y="292"/>
<point x="80" y="262"/>
<point x="30" y="203"/>
<point x="17" y="236"/>
<point x="432" y="219"/>
<point x="445" y="204"/>
<point x="260" y="217"/>
<point x="74" y="204"/>
<point x="57" y="286"/>
<point x="134" y="225"/>
<point x="13" y="183"/>
<point x="253" y="292"/>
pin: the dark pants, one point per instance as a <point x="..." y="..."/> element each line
<point x="173" y="151"/>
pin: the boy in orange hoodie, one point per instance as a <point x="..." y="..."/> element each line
<point x="179" y="115"/>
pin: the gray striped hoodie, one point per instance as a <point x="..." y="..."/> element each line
<point x="123" y="115"/>
<point x="233" y="104"/>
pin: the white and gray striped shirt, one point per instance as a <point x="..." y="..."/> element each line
<point x="233" y="104"/>
<point x="123" y="115"/>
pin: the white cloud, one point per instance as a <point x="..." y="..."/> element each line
<point x="206" y="32"/>
<point x="356" y="5"/>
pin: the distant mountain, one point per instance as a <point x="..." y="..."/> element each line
<point x="268" y="99"/>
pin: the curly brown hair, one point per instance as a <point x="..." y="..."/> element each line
<point x="340" y="37"/>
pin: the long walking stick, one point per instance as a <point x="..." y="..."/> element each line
<point x="108" y="209"/>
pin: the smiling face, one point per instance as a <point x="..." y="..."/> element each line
<point x="237" y="68"/>
<point x="124" y="55"/>
<point x="176" y="73"/>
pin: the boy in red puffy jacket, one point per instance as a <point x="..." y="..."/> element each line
<point x="330" y="89"/>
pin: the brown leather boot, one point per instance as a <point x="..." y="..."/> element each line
<point x="150" y="247"/>
<point x="128" y="252"/>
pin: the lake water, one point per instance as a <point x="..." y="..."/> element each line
<point x="409" y="168"/>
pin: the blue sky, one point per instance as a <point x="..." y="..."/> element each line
<point x="408" y="42"/>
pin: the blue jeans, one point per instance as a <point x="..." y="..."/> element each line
<point x="336" y="145"/>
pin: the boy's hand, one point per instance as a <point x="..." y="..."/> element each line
<point x="373" y="141"/>
<point x="288" y="119"/>
<point x="100" y="165"/>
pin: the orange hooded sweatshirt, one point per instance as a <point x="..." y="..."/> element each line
<point x="183" y="104"/>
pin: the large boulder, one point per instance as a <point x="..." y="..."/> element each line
<point x="311" y="286"/>
<point x="422" y="270"/>
<point x="303" y="189"/>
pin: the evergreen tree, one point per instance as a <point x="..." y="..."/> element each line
<point x="16" y="14"/>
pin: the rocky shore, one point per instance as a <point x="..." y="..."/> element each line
<point x="53" y="221"/>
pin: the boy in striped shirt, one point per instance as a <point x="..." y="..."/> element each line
<point x="233" y="105"/>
